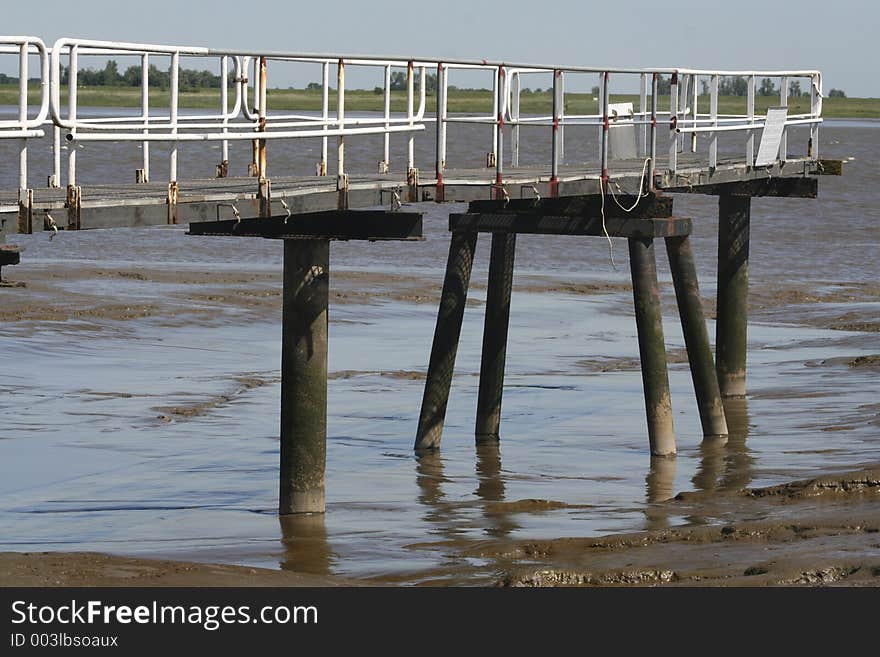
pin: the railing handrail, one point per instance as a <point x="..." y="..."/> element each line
<point x="246" y="120"/>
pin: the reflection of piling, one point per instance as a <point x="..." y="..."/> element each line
<point x="495" y="336"/>
<point x="652" y="350"/>
<point x="696" y="337"/>
<point x="306" y="549"/>
<point x="446" y="335"/>
<point x="660" y="482"/>
<point x="733" y="288"/>
<point x="304" y="375"/>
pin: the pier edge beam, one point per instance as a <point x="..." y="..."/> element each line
<point x="495" y="330"/>
<point x="696" y="337"/>
<point x="304" y="376"/>
<point x="731" y="327"/>
<point x="652" y="348"/>
<point x="445" y="344"/>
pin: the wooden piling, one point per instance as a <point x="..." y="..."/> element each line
<point x="495" y="336"/>
<point x="652" y="349"/>
<point x="696" y="337"/>
<point x="734" y="214"/>
<point x="446" y="335"/>
<point x="304" y="375"/>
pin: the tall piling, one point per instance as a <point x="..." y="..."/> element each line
<point x="446" y="336"/>
<point x="652" y="348"/>
<point x="495" y="330"/>
<point x="304" y="375"/>
<point x="734" y="215"/>
<point x="696" y="337"/>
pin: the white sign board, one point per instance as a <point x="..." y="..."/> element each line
<point x="774" y="124"/>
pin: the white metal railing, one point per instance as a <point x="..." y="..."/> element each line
<point x="248" y="117"/>
<point x="25" y="126"/>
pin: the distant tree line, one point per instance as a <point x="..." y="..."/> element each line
<point x="110" y="76"/>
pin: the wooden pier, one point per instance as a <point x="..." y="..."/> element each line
<point x="622" y="188"/>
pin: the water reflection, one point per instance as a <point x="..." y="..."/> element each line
<point x="490" y="489"/>
<point x="306" y="549"/>
<point x="739" y="463"/>
<point x="659" y="486"/>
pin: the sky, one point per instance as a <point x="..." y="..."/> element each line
<point x="837" y="38"/>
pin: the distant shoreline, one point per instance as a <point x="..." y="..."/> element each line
<point x="459" y="100"/>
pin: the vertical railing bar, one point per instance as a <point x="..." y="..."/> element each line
<point x="604" y="79"/>
<point x="340" y="123"/>
<point x="643" y="109"/>
<point x="673" y="124"/>
<point x="325" y="114"/>
<point x="73" y="63"/>
<point x="694" y="105"/>
<point x="514" y="115"/>
<point x="443" y="83"/>
<point x="554" y="138"/>
<point x="386" y="157"/>
<point x="783" y="101"/>
<point x="713" y="115"/>
<point x="653" y="139"/>
<point x="495" y="82"/>
<point x="410" y="98"/>
<point x="175" y="98"/>
<point x="224" y="104"/>
<point x="562" y="116"/>
<point x="815" y="101"/>
<point x="145" y="113"/>
<point x="499" y="123"/>
<point x="23" y="113"/>
<point x="750" y="114"/>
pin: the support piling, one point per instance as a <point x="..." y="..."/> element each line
<point x="734" y="214"/>
<point x="446" y="335"/>
<point x="495" y="336"/>
<point x="304" y="375"/>
<point x="652" y="349"/>
<point x="696" y="337"/>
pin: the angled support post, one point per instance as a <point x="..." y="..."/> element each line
<point x="696" y="337"/>
<point x="446" y="335"/>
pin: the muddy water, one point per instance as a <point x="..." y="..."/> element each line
<point x="139" y="375"/>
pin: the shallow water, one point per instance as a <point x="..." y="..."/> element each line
<point x="154" y="431"/>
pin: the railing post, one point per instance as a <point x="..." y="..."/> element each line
<point x="173" y="189"/>
<point x="386" y="156"/>
<point x="514" y="115"/>
<point x="750" y="112"/>
<point x="23" y="113"/>
<point x="439" y="133"/>
<point x="443" y="84"/>
<point x="783" y="101"/>
<point x="653" y="139"/>
<point x="410" y="92"/>
<point x="643" y="109"/>
<point x="325" y="114"/>
<point x="673" y="124"/>
<point x="55" y="180"/>
<point x="562" y="116"/>
<point x="71" y="114"/>
<point x="554" y="143"/>
<point x="695" y="103"/>
<point x="815" y="108"/>
<point x="499" y="129"/>
<point x="492" y="157"/>
<point x="341" y="178"/>
<point x="223" y="169"/>
<point x="713" y="115"/>
<point x="145" y="113"/>
<point x="604" y="79"/>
